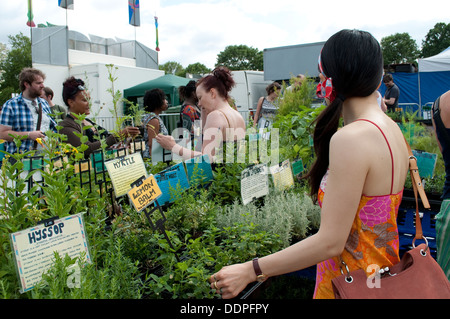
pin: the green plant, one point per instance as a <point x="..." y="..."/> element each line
<point x="297" y="99"/>
<point x="136" y="113"/>
<point x="286" y="214"/>
<point x="116" y="100"/>
<point x="117" y="278"/>
<point x="226" y="186"/>
<point x="192" y="213"/>
<point x="423" y="139"/>
<point x="295" y="133"/>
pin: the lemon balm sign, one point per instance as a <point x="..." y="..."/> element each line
<point x="144" y="194"/>
<point x="34" y="248"/>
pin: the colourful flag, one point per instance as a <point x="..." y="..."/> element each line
<point x="30" y="21"/>
<point x="133" y="12"/>
<point x="157" y="40"/>
<point x="66" y="4"/>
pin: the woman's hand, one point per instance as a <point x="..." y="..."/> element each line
<point x="231" y="280"/>
<point x="166" y="141"/>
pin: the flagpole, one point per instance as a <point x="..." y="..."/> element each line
<point x="30" y="23"/>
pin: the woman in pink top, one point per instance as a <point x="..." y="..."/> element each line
<point x="358" y="176"/>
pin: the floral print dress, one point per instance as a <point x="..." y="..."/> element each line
<point x="373" y="238"/>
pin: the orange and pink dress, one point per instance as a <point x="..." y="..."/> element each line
<point x="373" y="238"/>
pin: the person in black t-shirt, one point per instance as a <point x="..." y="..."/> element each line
<point x="392" y="93"/>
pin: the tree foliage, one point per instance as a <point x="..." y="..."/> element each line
<point x="197" y="68"/>
<point x="241" y="57"/>
<point x="399" y="48"/>
<point x="436" y="40"/>
<point x="172" y="67"/>
<point x="17" y="58"/>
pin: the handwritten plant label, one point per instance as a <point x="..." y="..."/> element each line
<point x="254" y="183"/>
<point x="173" y="181"/>
<point x="34" y="247"/>
<point x="144" y="194"/>
<point x="282" y="176"/>
<point x="125" y="170"/>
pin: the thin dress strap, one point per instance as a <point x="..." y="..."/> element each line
<point x="228" y="122"/>
<point x="390" y="151"/>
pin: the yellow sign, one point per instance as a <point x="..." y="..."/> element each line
<point x="145" y="194"/>
<point x="125" y="170"/>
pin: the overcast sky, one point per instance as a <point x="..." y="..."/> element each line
<point x="196" y="31"/>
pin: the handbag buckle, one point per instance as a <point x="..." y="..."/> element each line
<point x="422" y="252"/>
<point x="348" y="278"/>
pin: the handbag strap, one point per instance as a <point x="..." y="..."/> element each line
<point x="418" y="188"/>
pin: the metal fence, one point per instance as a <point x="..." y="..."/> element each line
<point x="170" y="120"/>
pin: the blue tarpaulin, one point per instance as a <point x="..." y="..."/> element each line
<point x="432" y="80"/>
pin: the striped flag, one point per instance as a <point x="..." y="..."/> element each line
<point x="133" y="12"/>
<point x="157" y="40"/>
<point x="30" y="21"/>
<point x="66" y="4"/>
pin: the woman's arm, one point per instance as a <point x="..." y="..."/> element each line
<point x="71" y="129"/>
<point x="152" y="131"/>
<point x="258" y="111"/>
<point x="345" y="182"/>
<point x="212" y="136"/>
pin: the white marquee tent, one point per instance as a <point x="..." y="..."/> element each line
<point x="434" y="76"/>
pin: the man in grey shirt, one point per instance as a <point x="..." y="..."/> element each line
<point x="392" y="93"/>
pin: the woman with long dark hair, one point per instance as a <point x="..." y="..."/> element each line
<point x="357" y="178"/>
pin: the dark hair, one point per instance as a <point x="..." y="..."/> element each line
<point x="48" y="91"/>
<point x="387" y="78"/>
<point x="28" y="75"/>
<point x="220" y="79"/>
<point x="188" y="91"/>
<point x="272" y="87"/>
<point x="71" y="87"/>
<point x="354" y="62"/>
<point x="154" y="100"/>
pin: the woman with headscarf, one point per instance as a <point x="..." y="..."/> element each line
<point x="76" y="97"/>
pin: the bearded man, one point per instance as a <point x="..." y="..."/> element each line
<point x="26" y="114"/>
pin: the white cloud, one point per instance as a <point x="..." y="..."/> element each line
<point x="196" y="31"/>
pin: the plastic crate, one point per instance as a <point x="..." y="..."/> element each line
<point x="407" y="229"/>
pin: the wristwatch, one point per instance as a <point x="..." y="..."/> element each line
<point x="259" y="275"/>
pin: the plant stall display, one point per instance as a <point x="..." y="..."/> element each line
<point x="167" y="250"/>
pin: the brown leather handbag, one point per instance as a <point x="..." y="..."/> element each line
<point x="416" y="276"/>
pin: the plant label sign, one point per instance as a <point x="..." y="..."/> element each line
<point x="144" y="194"/>
<point x="426" y="162"/>
<point x="297" y="168"/>
<point x="125" y="170"/>
<point x="254" y="183"/>
<point x="282" y="175"/>
<point x="34" y="248"/>
<point x="172" y="182"/>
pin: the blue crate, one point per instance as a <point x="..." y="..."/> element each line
<point x="407" y="229"/>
